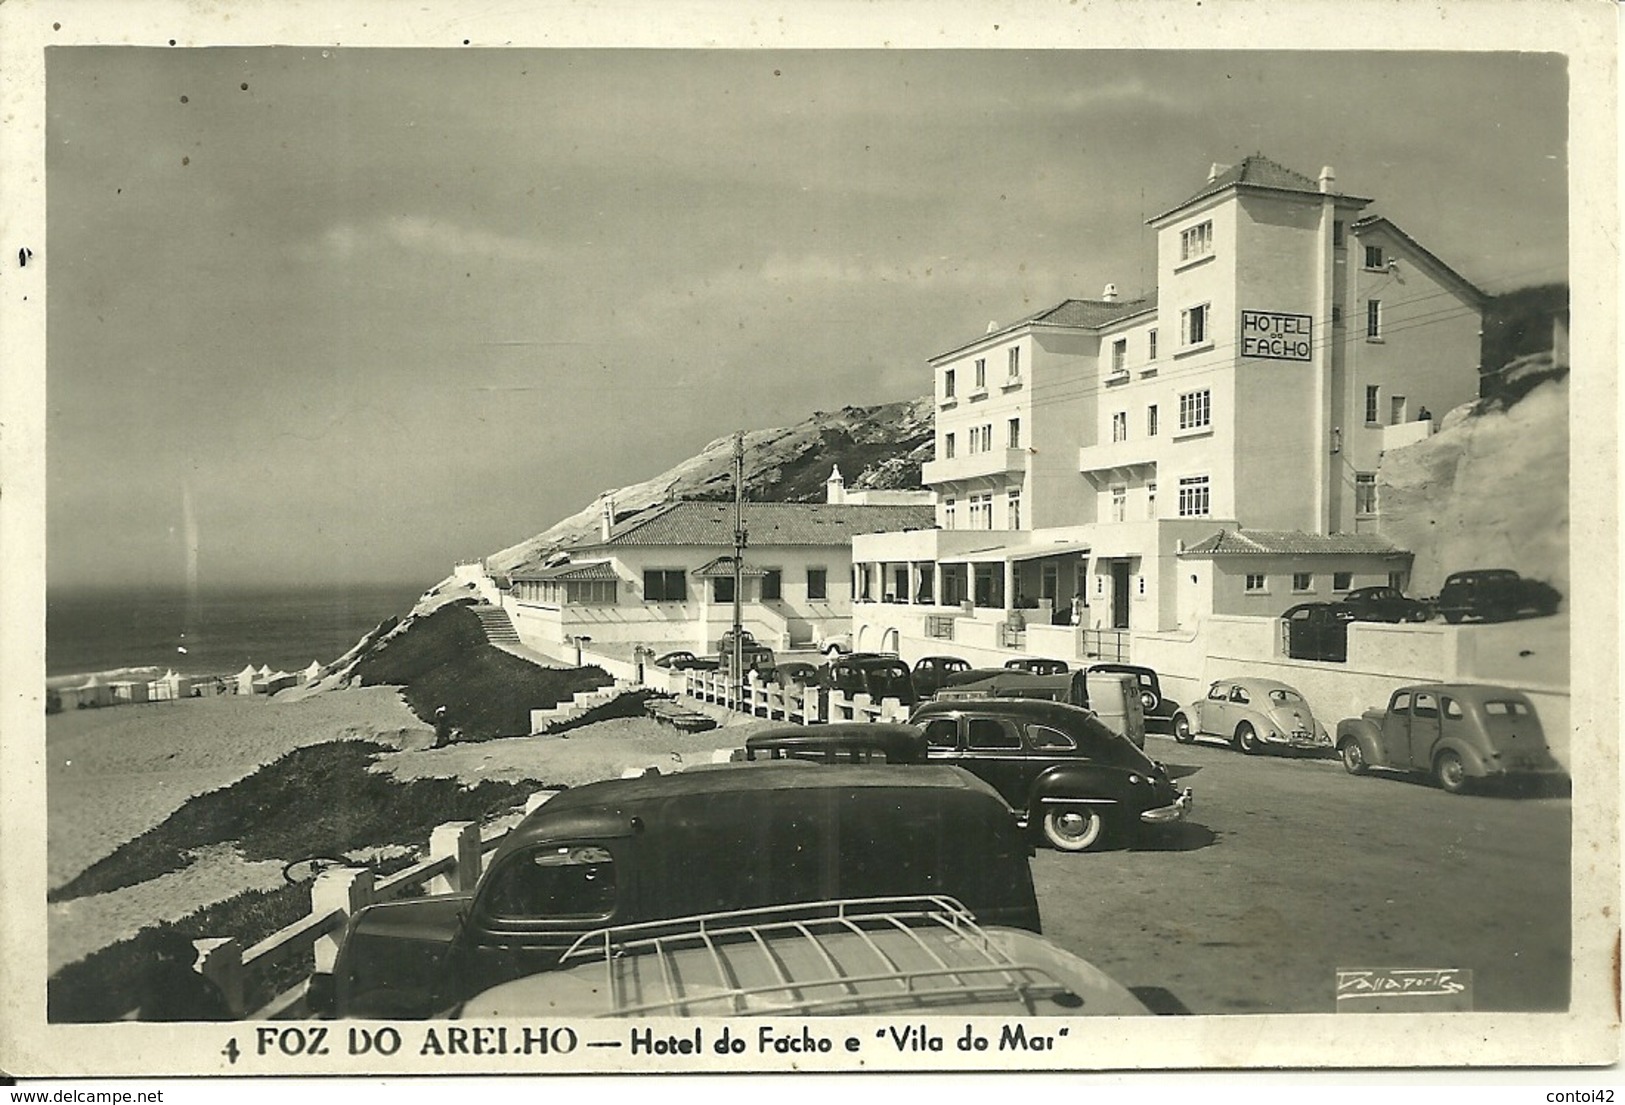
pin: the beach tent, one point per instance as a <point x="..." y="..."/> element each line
<point x="125" y="690"/>
<point x="311" y="674"/>
<point x="245" y="680"/>
<point x="265" y="671"/>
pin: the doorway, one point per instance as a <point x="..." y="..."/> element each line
<point x="1120" y="582"/>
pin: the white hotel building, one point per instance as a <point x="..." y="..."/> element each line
<point x="1105" y="453"/>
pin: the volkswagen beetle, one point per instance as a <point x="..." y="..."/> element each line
<point x="1252" y="714"/>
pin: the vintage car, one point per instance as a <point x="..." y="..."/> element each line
<point x="858" y="742"/>
<point x="1115" y="697"/>
<point x="658" y="847"/>
<point x="1252" y="714"/>
<point x="1457" y="733"/>
<point x="1034" y="665"/>
<point x="1385" y="604"/>
<point x="1158" y="709"/>
<point x="795" y="671"/>
<point x="1494" y="594"/>
<point x="878" y="675"/>
<point x="1064" y="773"/>
<point x="752" y="653"/>
<point x="1318" y="631"/>
<point x="921" y="954"/>
<point x="683" y="660"/>
<point x="931" y="672"/>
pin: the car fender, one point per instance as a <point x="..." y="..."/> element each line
<point x="1472" y="759"/>
<point x="1368" y="736"/>
<point x="1090" y="785"/>
<point x="1193" y="714"/>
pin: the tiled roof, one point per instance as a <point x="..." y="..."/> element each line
<point x="1265" y="542"/>
<point x="1256" y="171"/>
<point x="1081" y="314"/>
<point x="599" y="569"/>
<point x="723" y="567"/>
<point x="705" y="523"/>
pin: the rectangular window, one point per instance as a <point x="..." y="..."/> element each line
<point x="1119" y="503"/>
<point x="947" y="446"/>
<point x="590" y="592"/>
<point x="947" y="514"/>
<point x="1337" y="233"/>
<point x="1396" y="410"/>
<point x="1373" y="318"/>
<point x="1193" y="325"/>
<point x="1193" y="496"/>
<point x="1151" y="346"/>
<point x="817" y="584"/>
<point x="1151" y="420"/>
<point x="1120" y="355"/>
<point x="1372" y="393"/>
<point x="1151" y="500"/>
<point x="928" y="585"/>
<point x="773" y="585"/>
<point x="1257" y="584"/>
<point x="1337" y="316"/>
<point x="1196" y="242"/>
<point x="1373" y="257"/>
<point x="665" y="585"/>
<point x="1120" y="426"/>
<point x="981" y="511"/>
<point x="1015" y="433"/>
<point x="1303" y="582"/>
<point x="1195" y="409"/>
<point x="981" y="372"/>
<point x="722" y="589"/>
<point x="1365" y="493"/>
<point x="948" y="384"/>
<point x="1342" y="581"/>
<point x="1015" y="361"/>
<point x="1013" y="508"/>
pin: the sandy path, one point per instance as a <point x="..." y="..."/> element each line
<point x="115" y="773"/>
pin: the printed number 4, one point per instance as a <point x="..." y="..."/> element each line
<point x="230" y="1050"/>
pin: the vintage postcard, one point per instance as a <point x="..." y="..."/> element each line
<point x="722" y="538"/>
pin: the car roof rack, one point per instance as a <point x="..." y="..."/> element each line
<point x="847" y="956"/>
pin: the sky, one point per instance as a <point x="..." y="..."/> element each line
<point x="350" y="315"/>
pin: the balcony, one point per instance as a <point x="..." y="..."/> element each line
<point x="1117" y="456"/>
<point x="995" y="462"/>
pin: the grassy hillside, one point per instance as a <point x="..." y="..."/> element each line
<point x="443" y="659"/>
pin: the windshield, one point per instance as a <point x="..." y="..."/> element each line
<point x="888" y="682"/>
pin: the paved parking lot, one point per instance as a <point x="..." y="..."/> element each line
<point x="1289" y="869"/>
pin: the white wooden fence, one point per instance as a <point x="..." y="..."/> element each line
<point x="456" y="854"/>
<point x="792" y="703"/>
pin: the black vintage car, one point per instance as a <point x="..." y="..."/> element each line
<point x="733" y="837"/>
<point x="1385" y="604"/>
<point x="878" y="675"/>
<point x="1061" y="769"/>
<point x="1037" y="665"/>
<point x="1495" y="594"/>
<point x="931" y="672"/>
<point x="1318" y="631"/>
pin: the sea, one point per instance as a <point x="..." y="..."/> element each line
<point x="212" y="632"/>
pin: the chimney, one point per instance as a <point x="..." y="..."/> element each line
<point x="1213" y="172"/>
<point x="992" y="326"/>
<point x="1327" y="179"/>
<point x="1110" y="293"/>
<point x="606" y="515"/>
<point x="835" y="487"/>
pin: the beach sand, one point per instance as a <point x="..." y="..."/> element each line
<point x="115" y="773"/>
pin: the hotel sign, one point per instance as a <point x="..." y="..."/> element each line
<point x="1276" y="336"/>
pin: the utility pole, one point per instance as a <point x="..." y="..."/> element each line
<point x="736" y="670"/>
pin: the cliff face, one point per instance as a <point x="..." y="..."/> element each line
<point x="875" y="447"/>
<point x="1489" y="490"/>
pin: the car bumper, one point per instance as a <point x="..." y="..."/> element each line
<point x="1176" y="811"/>
<point x="1298" y="740"/>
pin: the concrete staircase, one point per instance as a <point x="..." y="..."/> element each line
<point x="498" y="627"/>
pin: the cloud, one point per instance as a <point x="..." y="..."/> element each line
<point x="419" y="234"/>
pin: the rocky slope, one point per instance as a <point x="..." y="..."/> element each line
<point x="1489" y="490"/>
<point x="875" y="447"/>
